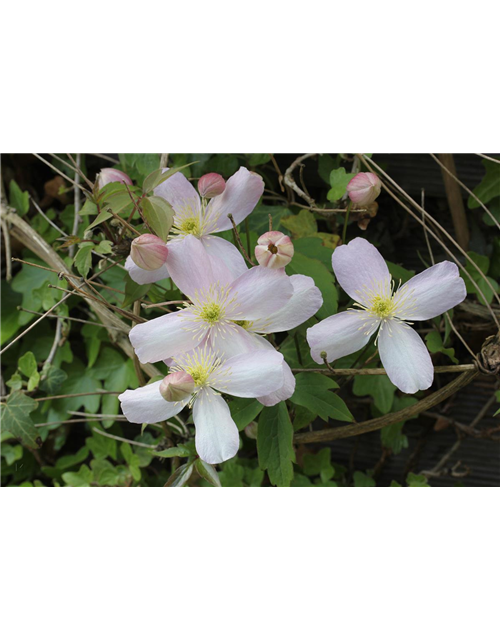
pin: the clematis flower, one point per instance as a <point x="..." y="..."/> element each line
<point x="245" y="376"/>
<point x="364" y="188"/>
<point x="228" y="317"/>
<point x="363" y="274"/>
<point x="112" y="175"/>
<point x="274" y="250"/>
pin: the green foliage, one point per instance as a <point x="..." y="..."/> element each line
<point x="16" y="419"/>
<point x="339" y="180"/>
<point x="312" y="391"/>
<point x="304" y="225"/>
<point x="489" y="187"/>
<point x="274" y="444"/>
<point x="18" y="200"/>
<point x="134" y="291"/>
<point x="159" y="215"/>
<point x="483" y="262"/>
<point x="414" y="480"/>
<point x="363" y="480"/>
<point x="435" y="345"/>
<point x="323" y="279"/>
<point x="380" y="388"/>
<point x="244" y="411"/>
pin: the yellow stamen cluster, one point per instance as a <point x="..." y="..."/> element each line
<point x="191" y="219"/>
<point x="204" y="366"/>
<point x="384" y="301"/>
<point x="244" y="324"/>
<point x="213" y="310"/>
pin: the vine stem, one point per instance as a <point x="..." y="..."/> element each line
<point x="346" y="220"/>
<point x="346" y="431"/>
<point x="452" y="368"/>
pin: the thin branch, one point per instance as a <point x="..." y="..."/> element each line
<point x="452" y="368"/>
<point x="60" y="172"/>
<point x="6" y="242"/>
<point x="120" y="439"/>
<point x="346" y="431"/>
<point x="290" y="181"/>
<point x="488" y="158"/>
<point x="238" y="240"/>
<point x="53" y="349"/>
<point x="99" y="392"/>
<point x="52" y="224"/>
<point x="76" y="218"/>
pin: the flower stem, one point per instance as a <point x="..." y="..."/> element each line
<point x="346" y="220"/>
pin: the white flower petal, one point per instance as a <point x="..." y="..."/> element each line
<point x="359" y="267"/>
<point x="141" y="276"/>
<point x="431" y="292"/>
<point x="405" y="357"/>
<point x="284" y="392"/>
<point x="189" y="265"/>
<point x="217" y="438"/>
<point x="243" y="191"/>
<point x="261" y="292"/>
<point x="147" y="405"/>
<point x="164" y="337"/>
<point x="227" y="262"/>
<point x="233" y="342"/>
<point x="179" y="193"/>
<point x="340" y="335"/>
<point x="250" y="375"/>
<point x="305" y="301"/>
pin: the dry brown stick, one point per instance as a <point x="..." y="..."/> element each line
<point x="6" y="244"/>
<point x="471" y="193"/>
<point x="290" y="181"/>
<point x="346" y="431"/>
<point x="454" y="197"/>
<point x="116" y="328"/>
<point x="69" y="318"/>
<point x="99" y="392"/>
<point x="371" y="164"/>
<point x="452" y="368"/>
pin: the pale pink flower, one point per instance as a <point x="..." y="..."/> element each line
<point x="149" y="252"/>
<point x="228" y="317"/>
<point x="363" y="274"/>
<point x="112" y="175"/>
<point x="274" y="250"/>
<point x="246" y="376"/>
<point x="211" y="185"/>
<point x="364" y="188"/>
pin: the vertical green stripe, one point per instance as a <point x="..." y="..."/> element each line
<point x="364" y="559"/>
<point x="419" y="558"/>
<point x="26" y="601"/>
<point x="283" y="563"/>
<point x="395" y="562"/>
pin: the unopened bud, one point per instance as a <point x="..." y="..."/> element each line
<point x="211" y="185"/>
<point x="149" y="252"/>
<point x="364" y="188"/>
<point x="177" y="386"/>
<point x="251" y="430"/>
<point x="274" y="250"/>
<point x="112" y="175"/>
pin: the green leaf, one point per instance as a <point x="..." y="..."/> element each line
<point x="319" y="464"/>
<point x="489" y="187"/>
<point x="435" y="345"/>
<point x="313" y="247"/>
<point x="483" y="262"/>
<point x="323" y="279"/>
<point x="312" y="391"/>
<point x="393" y="438"/>
<point x="244" y="410"/>
<point x="19" y="200"/>
<point x="274" y="444"/>
<point x="133" y="291"/>
<point x="173" y="452"/>
<point x="82" y="478"/>
<point x="256" y="159"/>
<point x="11" y="453"/>
<point x="16" y="419"/>
<point x="414" y="480"/>
<point x="301" y="225"/>
<point x="156" y="177"/>
<point x="79" y="381"/>
<point x="27" y="364"/>
<point x="339" y="180"/>
<point x="399" y="273"/>
<point x="380" y="388"/>
<point x="303" y="417"/>
<point x="326" y="164"/>
<point x="102" y="217"/>
<point x="117" y="372"/>
<point x="83" y="259"/>
<point x="159" y="215"/>
<point x="33" y="381"/>
<point x="258" y="221"/>
<point x="101" y="446"/>
<point x="9" y="323"/>
<point x="362" y="480"/>
<point x="66" y="462"/>
<point x="207" y="472"/>
<point x="53" y="380"/>
<point x="181" y="475"/>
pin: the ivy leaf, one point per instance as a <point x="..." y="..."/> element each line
<point x="19" y="200"/>
<point x="244" y="410"/>
<point x="16" y="419"/>
<point x="312" y="391"/>
<point x="53" y="379"/>
<point x="66" y="462"/>
<point x="362" y="480"/>
<point x="489" y="187"/>
<point x="380" y="388"/>
<point x="326" y="164"/>
<point x="27" y="364"/>
<point x="207" y="472"/>
<point x="101" y="446"/>
<point x="435" y="345"/>
<point x="301" y="225"/>
<point x="319" y="464"/>
<point x="274" y="444"/>
<point x="483" y="262"/>
<point x="83" y="259"/>
<point x="82" y="478"/>
<point x="414" y="480"/>
<point x="339" y="180"/>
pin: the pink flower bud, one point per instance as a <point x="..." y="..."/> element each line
<point x="364" y="188"/>
<point x="211" y="185"/>
<point x="149" y="252"/>
<point x="112" y="175"/>
<point x="274" y="250"/>
<point x="177" y="386"/>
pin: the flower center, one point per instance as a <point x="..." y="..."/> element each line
<point x="272" y="248"/>
<point x="190" y="226"/>
<point x="199" y="373"/>
<point x="211" y="312"/>
<point x="382" y="306"/>
<point x="244" y="324"/>
<point x="204" y="366"/>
